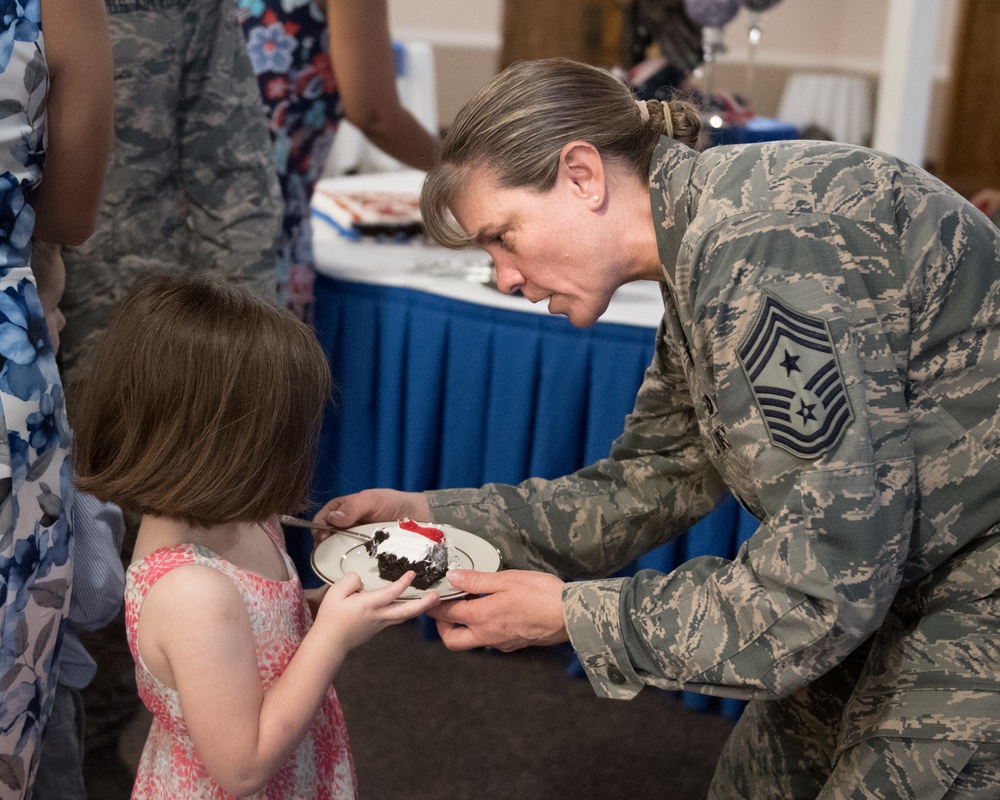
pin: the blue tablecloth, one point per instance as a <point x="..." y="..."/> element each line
<point x="438" y="393"/>
<point x="757" y="129"/>
<point x="433" y="392"/>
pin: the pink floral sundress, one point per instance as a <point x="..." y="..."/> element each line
<point x="321" y="767"/>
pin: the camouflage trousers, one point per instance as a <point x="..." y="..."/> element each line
<point x="787" y="750"/>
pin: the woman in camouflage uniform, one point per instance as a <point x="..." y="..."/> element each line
<point x="830" y="355"/>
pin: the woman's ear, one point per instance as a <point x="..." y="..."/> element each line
<point x="581" y="169"/>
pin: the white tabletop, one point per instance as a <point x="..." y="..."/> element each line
<point x="457" y="274"/>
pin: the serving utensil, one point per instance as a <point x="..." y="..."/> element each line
<point x="318" y="526"/>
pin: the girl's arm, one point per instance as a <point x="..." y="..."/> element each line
<point x="80" y="119"/>
<point x="363" y="61"/>
<point x="243" y="733"/>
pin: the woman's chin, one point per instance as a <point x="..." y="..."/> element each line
<point x="578" y="317"/>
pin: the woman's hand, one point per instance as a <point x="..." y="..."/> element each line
<point x="518" y="608"/>
<point x="371" y="505"/>
<point x="350" y="616"/>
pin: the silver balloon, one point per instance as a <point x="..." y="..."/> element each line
<point x="712" y="13"/>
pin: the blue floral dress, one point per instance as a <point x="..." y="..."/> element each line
<point x="35" y="484"/>
<point x="290" y="51"/>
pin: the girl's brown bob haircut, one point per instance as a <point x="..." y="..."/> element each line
<point x="203" y="403"/>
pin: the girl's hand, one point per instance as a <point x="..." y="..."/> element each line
<point x="371" y="505"/>
<point x="349" y="616"/>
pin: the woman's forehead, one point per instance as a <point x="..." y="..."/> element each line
<point x="475" y="182"/>
<point x="479" y="201"/>
<point x="482" y="195"/>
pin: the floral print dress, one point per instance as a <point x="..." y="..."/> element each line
<point x="35" y="479"/>
<point x="290" y="52"/>
<point x="321" y="767"/>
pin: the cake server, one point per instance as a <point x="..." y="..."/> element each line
<point x="304" y="523"/>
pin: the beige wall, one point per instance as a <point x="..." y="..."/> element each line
<point x="810" y="35"/>
<point x="466" y="36"/>
<point x="843" y="36"/>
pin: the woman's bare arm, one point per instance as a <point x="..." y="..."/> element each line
<point x="80" y="119"/>
<point x="363" y="61"/>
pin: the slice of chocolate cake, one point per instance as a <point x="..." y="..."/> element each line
<point x="409" y="545"/>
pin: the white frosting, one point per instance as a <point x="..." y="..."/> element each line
<point x="406" y="544"/>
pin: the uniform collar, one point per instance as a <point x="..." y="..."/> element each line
<point x="672" y="198"/>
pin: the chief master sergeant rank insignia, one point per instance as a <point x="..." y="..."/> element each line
<point x="789" y="359"/>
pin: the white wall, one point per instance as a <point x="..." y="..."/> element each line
<point x="844" y="35"/>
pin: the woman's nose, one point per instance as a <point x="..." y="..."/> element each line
<point x="509" y="280"/>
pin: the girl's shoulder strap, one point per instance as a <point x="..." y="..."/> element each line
<point x="273" y="529"/>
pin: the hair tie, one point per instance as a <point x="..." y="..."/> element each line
<point x="668" y="120"/>
<point x="659" y="112"/>
<point x="643" y="111"/>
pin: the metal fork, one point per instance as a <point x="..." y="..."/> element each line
<point x="304" y="523"/>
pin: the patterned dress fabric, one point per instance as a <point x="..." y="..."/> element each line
<point x="35" y="485"/>
<point x="290" y="52"/>
<point x="321" y="768"/>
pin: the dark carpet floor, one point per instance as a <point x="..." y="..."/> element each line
<point x="429" y="724"/>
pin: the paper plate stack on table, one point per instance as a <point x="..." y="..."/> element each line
<point x="363" y="212"/>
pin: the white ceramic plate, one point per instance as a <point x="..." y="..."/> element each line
<point x="337" y="555"/>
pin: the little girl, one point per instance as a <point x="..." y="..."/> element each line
<point x="202" y="413"/>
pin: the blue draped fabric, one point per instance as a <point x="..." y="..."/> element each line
<point x="432" y="392"/>
<point x="757" y="129"/>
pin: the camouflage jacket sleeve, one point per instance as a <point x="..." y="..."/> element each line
<point x="810" y="397"/>
<point x="228" y="175"/>
<point x="655" y="483"/>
